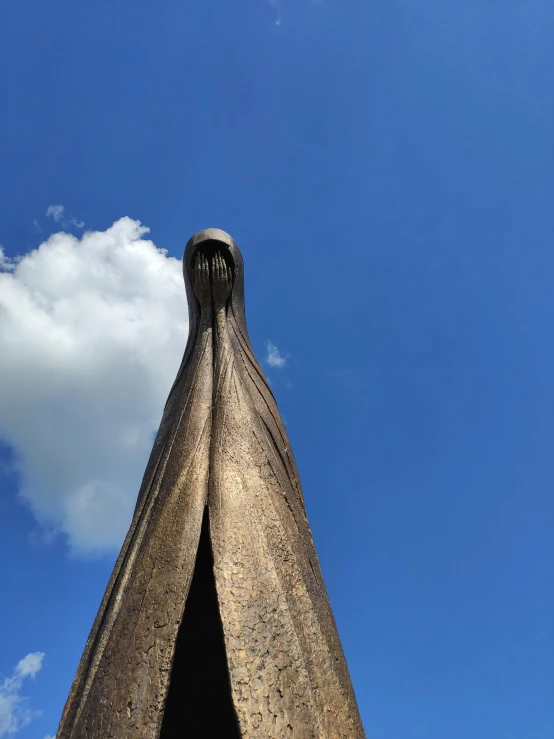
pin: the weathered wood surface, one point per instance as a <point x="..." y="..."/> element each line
<point x="221" y="444"/>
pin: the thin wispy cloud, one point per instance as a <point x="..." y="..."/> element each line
<point x="92" y="331"/>
<point x="277" y="5"/>
<point x="56" y="212"/>
<point x="6" y="263"/>
<point x="274" y="357"/>
<point x="15" y="713"/>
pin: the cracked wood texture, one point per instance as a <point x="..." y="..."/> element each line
<point x="216" y="622"/>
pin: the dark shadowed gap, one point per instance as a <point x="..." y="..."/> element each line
<point x="199" y="699"/>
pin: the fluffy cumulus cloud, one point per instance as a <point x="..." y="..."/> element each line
<point x="274" y="357"/>
<point x="92" y="331"/>
<point x="15" y="713"/>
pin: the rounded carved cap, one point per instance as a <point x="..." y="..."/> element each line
<point x="210" y="234"/>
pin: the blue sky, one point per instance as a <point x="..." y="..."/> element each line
<point x="387" y="168"/>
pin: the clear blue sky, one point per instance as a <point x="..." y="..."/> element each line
<point x="387" y="167"/>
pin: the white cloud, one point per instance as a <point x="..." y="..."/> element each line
<point x="6" y="263"/>
<point x="56" y="212"/>
<point x="274" y="357"/>
<point x="92" y="331"/>
<point x="277" y="4"/>
<point x="14" y="711"/>
<point x="29" y="665"/>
